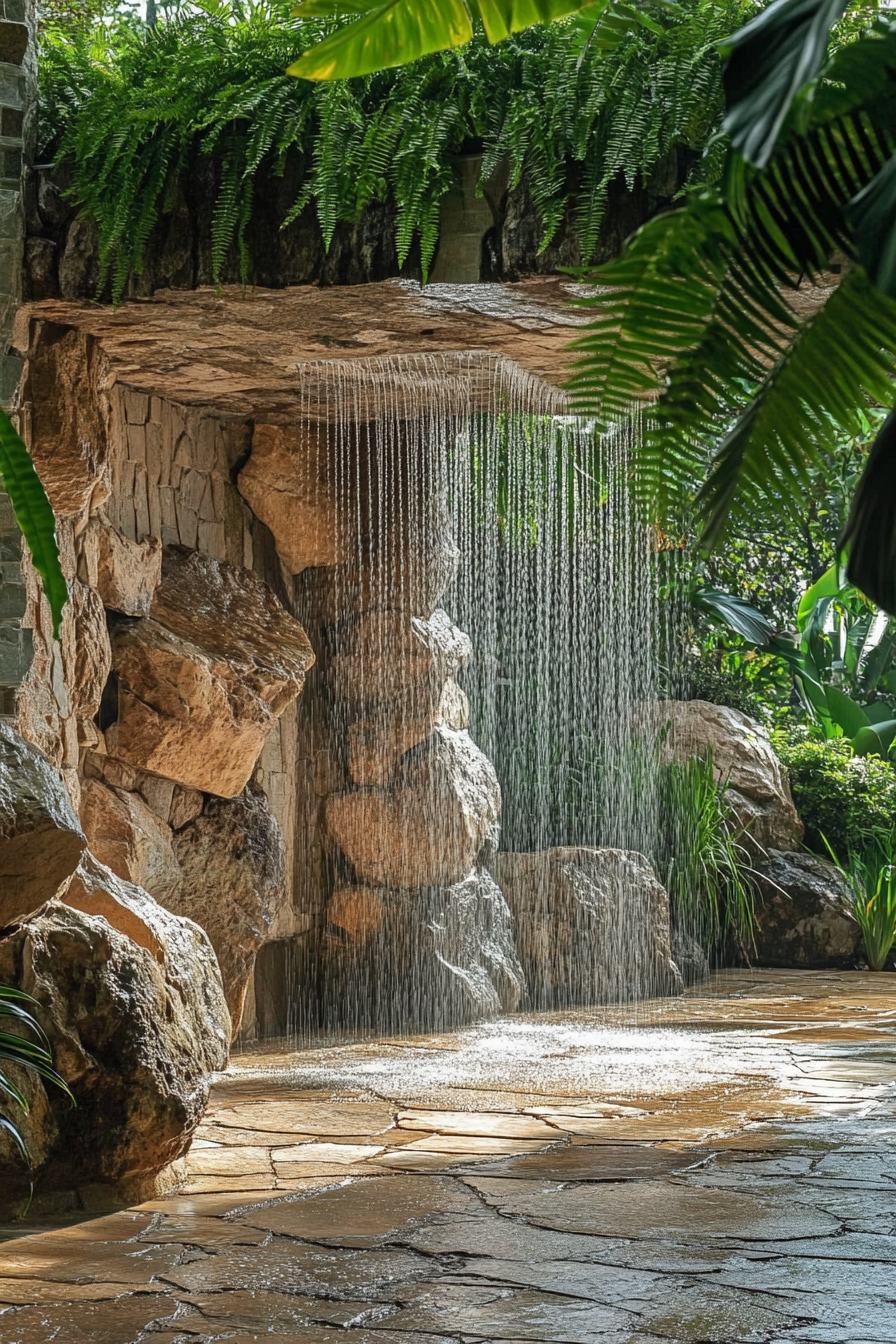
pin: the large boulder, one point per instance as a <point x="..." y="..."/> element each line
<point x="376" y="743"/>
<point x="201" y="682"/>
<point x="804" y="917"/>
<point x="421" y="960"/>
<point x="428" y="829"/>
<point x="592" y="925"/>
<point x="127" y="836"/>
<point x="137" y="1022"/>
<point x="232" y="882"/>
<point x="41" y="841"/>
<point x="758" y="792"/>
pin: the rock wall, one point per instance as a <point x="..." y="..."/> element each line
<point x="168" y="703"/>
<point x="62" y="257"/>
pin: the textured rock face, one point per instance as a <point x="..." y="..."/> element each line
<point x="232" y="883"/>
<point x="429" y="828"/>
<point x="134" y="1034"/>
<point x="127" y="836"/>
<point x="286" y="483"/>
<point x="804" y="918"/>
<point x="758" y="792"/>
<point x="124" y="573"/>
<point x="592" y="925"/>
<point x="201" y="682"/>
<point x="68" y="429"/>
<point x="425" y="959"/>
<point x="394" y="727"/>
<point x="41" y="841"/>
<point x="386" y="653"/>
<point x="93" y="653"/>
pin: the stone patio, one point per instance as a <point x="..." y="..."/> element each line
<point x="716" y="1168"/>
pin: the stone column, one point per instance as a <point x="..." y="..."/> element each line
<point x="18" y="126"/>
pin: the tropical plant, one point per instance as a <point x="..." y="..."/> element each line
<point x="839" y="796"/>
<point x="26" y="1048"/>
<point x="34" y="515"/>
<point x="845" y="664"/>
<point x="399" y="31"/>
<point x="707" y="871"/>
<point x="726" y="312"/>
<point x="870" y="876"/>
<point x="130" y="109"/>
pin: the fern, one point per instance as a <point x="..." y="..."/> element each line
<point x="130" y="108"/>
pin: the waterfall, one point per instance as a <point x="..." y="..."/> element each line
<point x="492" y="610"/>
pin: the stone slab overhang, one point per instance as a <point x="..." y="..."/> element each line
<point x="266" y="352"/>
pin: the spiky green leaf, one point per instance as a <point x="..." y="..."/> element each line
<point x="34" y="515"/>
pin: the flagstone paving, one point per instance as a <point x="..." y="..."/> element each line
<point x="718" y="1169"/>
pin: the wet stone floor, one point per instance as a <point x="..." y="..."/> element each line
<point x="722" y="1168"/>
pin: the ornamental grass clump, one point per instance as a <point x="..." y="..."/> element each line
<point x="871" y="879"/>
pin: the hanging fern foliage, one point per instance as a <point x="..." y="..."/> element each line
<point x="128" y="107"/>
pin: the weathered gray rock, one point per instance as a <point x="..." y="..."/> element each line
<point x="420" y="960"/>
<point x="41" y="841"/>
<point x="592" y="925"/>
<point x="201" y="682"/>
<point x="231" y="859"/>
<point x="758" y="792"/>
<point x="804" y="918"/>
<point x="428" y="829"/>
<point x="135" y="1033"/>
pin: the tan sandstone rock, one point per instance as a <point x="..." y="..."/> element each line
<point x="287" y="484"/>
<point x="136" y="1034"/>
<point x="758" y="792"/>
<point x="201" y="682"/>
<point x="124" y="573"/>
<point x="68" y="440"/>
<point x="231" y="860"/>
<point x="592" y="925"/>
<point x="87" y="671"/>
<point x="41" y="841"/>
<point x="382" y="654"/>
<point x="378" y="741"/>
<point x="429" y="828"/>
<point x="126" y="835"/>
<point x="95" y="889"/>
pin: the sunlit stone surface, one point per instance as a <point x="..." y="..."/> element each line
<point x="719" y="1168"/>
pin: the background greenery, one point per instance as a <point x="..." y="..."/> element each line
<point x="129" y="108"/>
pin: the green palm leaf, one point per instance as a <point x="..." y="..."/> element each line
<point x="401" y="31"/>
<point x="769" y="62"/>
<point x="34" y="515"/>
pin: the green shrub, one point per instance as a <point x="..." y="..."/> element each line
<point x="842" y="797"/>
<point x="720" y="687"/>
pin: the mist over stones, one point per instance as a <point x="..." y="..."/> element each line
<point x="420" y="960"/>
